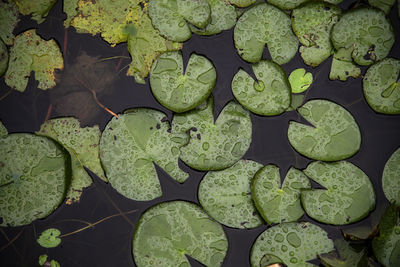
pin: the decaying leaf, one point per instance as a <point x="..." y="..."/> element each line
<point x="38" y="9"/>
<point x="9" y="18"/>
<point x="50" y="238"/>
<point x="70" y="7"/>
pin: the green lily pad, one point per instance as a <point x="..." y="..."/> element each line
<point x="49" y="238"/>
<point x="291" y="4"/>
<point x="366" y="33"/>
<point x="3" y="130"/>
<point x="257" y="27"/>
<point x="297" y="101"/>
<point x="278" y="203"/>
<point x="312" y="24"/>
<point x="268" y="96"/>
<point x="391" y="177"/>
<point x="83" y="146"/>
<point x="384" y="5"/>
<point x="172" y="17"/>
<point x="242" y="3"/>
<point x="381" y="86"/>
<point x="42" y="259"/>
<point x="349" y="195"/>
<point x="386" y="245"/>
<point x="225" y="195"/>
<point x="34" y="175"/>
<point x="342" y="70"/>
<point x="293" y="243"/>
<point x="3" y="58"/>
<point x="70" y="7"/>
<point x="9" y="18"/>
<point x="334" y="135"/>
<point x="54" y="263"/>
<point x="181" y="91"/>
<point x="38" y="9"/>
<point x="129" y="147"/>
<point x="169" y="231"/>
<point x="223" y="17"/>
<point x="209" y="145"/>
<point x="300" y="80"/>
<point x="347" y="255"/>
<point x="31" y="53"/>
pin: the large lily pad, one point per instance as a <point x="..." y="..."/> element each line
<point x="391" y="177"/>
<point x="169" y="231"/>
<point x="278" y="203"/>
<point x="334" y="135"/>
<point x="8" y="20"/>
<point x="257" y="27"/>
<point x="347" y="255"/>
<point x="349" y="195"/>
<point x="381" y="85"/>
<point x="3" y="58"/>
<point x="312" y="24"/>
<point x="31" y="53"/>
<point x="180" y="90"/>
<point x="172" y="17"/>
<point x="129" y="147"/>
<point x="225" y="195"/>
<point x="268" y="96"/>
<point x="38" y="9"/>
<point x="34" y="175"/>
<point x="365" y="33"/>
<point x="209" y="145"/>
<point x="83" y="146"/>
<point x="384" y="5"/>
<point x="293" y="244"/>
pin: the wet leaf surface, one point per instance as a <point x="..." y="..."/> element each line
<point x="342" y="69"/>
<point x="38" y="9"/>
<point x="300" y="80"/>
<point x="50" y="238"/>
<point x="391" y="177"/>
<point x="242" y="3"/>
<point x="346" y="255"/>
<point x="297" y="101"/>
<point x="9" y="18"/>
<point x="291" y="4"/>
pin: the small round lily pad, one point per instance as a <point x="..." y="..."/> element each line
<point x="349" y="195"/>
<point x="391" y="177"/>
<point x="334" y="135"/>
<point x="49" y="238"/>
<point x="182" y="91"/>
<point x="225" y="195"/>
<point x="278" y="203"/>
<point x="268" y="96"/>
<point x="293" y="244"/>
<point x="381" y="85"/>
<point x="169" y="231"/>
<point x="3" y="58"/>
<point x="258" y="27"/>
<point x="300" y="80"/>
<point x="171" y="17"/>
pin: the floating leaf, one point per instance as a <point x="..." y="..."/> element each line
<point x="213" y="146"/>
<point x="300" y="80"/>
<point x="3" y="130"/>
<point x="33" y="178"/>
<point x="42" y="259"/>
<point x="391" y="177"/>
<point x="242" y="3"/>
<point x="70" y="7"/>
<point x="49" y="238"/>
<point x="349" y="195"/>
<point x="334" y="135"/>
<point x="3" y="58"/>
<point x="347" y="255"/>
<point x="278" y="203"/>
<point x="384" y="5"/>
<point x="31" y="53"/>
<point x="82" y="145"/>
<point x="8" y="20"/>
<point x="169" y="231"/>
<point x="258" y="27"/>
<point x="341" y="70"/>
<point x="386" y="246"/>
<point x="312" y="24"/>
<point x="291" y="4"/>
<point x="129" y="147"/>
<point x="297" y="101"/>
<point x="293" y="243"/>
<point x="171" y="17"/>
<point x="268" y="96"/>
<point x="181" y="91"/>
<point x="38" y="9"/>
<point x="225" y="195"/>
<point x="54" y="263"/>
<point x="381" y="86"/>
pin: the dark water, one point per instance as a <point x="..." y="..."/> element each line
<point x="109" y="243"/>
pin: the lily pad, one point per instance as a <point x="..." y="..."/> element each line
<point x="348" y="196"/>
<point x="31" y="53"/>
<point x="268" y="96"/>
<point x="169" y="231"/>
<point x="342" y="70"/>
<point x="257" y="27"/>
<point x="386" y="245"/>
<point x="242" y="3"/>
<point x="42" y="259"/>
<point x="9" y="18"/>
<point x="293" y="243"/>
<point x="312" y="24"/>
<point x="300" y="80"/>
<point x="129" y="147"/>
<point x="180" y="90"/>
<point x="384" y="5"/>
<point x="83" y="146"/>
<point x="70" y="7"/>
<point x="38" y="9"/>
<point x="365" y="33"/>
<point x="291" y="4"/>
<point x="3" y="130"/>
<point x="3" y="58"/>
<point x="381" y="86"/>
<point x="334" y="134"/>
<point x="391" y="177"/>
<point x="209" y="145"/>
<point x="172" y="17"/>
<point x="34" y="175"/>
<point x="278" y="203"/>
<point x="347" y="255"/>
<point x="49" y="238"/>
<point x="225" y="195"/>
